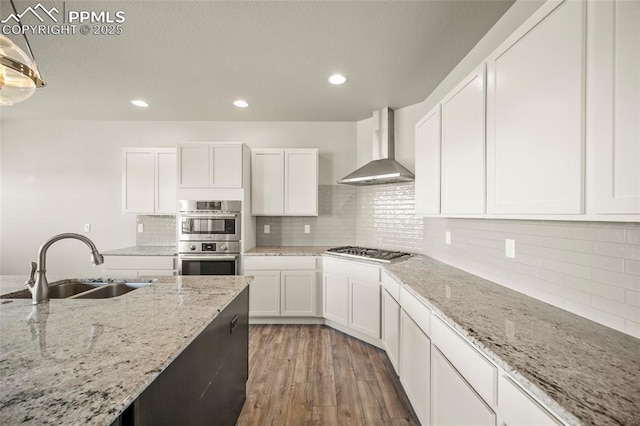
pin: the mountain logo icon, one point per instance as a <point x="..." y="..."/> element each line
<point x="43" y="11"/>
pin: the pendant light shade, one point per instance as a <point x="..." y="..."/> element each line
<point x="19" y="76"/>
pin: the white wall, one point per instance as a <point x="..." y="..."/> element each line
<point x="57" y="176"/>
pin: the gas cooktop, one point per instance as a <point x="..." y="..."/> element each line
<point x="385" y="256"/>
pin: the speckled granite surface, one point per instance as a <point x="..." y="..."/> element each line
<point x="591" y="371"/>
<point x="83" y="361"/>
<point x="143" y="251"/>
<point x="287" y="251"/>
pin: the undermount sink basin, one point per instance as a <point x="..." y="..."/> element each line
<point x="87" y="289"/>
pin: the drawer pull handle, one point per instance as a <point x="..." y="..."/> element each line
<point x="233" y="324"/>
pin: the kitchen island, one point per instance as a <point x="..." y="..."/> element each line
<point x="85" y="361"/>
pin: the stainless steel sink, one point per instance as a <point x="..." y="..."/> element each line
<point x="87" y="289"/>
<point x="107" y="291"/>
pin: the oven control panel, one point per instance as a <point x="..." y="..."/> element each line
<point x="208" y="247"/>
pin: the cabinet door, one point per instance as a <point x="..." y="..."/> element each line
<point x="138" y="181"/>
<point x="226" y="170"/>
<point x="365" y="307"/>
<point x="301" y="182"/>
<point x="391" y="327"/>
<point x="535" y="115"/>
<point x="428" y="163"/>
<point x="267" y="182"/>
<point x="463" y="146"/>
<point x="194" y="165"/>
<point x="613" y="108"/>
<point x="298" y="293"/>
<point x="519" y="409"/>
<point x="415" y="375"/>
<point x="264" y="293"/>
<point x="166" y="181"/>
<point x="336" y="298"/>
<point x="454" y="401"/>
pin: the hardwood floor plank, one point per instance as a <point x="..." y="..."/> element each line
<point x="304" y="375"/>
<point x="325" y="416"/>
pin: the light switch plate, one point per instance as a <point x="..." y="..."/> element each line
<point x="267" y="229"/>
<point x="510" y="248"/>
<point x="447" y="237"/>
<point x="87" y="227"/>
<point x="307" y="229"/>
<point x="141" y="227"/>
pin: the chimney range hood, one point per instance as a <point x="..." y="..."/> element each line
<point x="383" y="169"/>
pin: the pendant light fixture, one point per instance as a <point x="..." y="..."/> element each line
<point x="19" y="75"/>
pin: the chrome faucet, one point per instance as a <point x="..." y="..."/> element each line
<point x="39" y="287"/>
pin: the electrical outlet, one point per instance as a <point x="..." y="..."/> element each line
<point x="510" y="248"/>
<point x="267" y="229"/>
<point x="447" y="291"/>
<point x="447" y="237"/>
<point x="307" y="229"/>
<point x="87" y="227"/>
<point x="141" y="227"/>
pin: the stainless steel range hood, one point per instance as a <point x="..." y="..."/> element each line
<point x="383" y="169"/>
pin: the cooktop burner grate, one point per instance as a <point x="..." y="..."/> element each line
<point x="378" y="255"/>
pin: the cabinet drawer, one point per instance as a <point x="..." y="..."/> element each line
<point x="416" y="310"/>
<point x="520" y="409"/>
<point x="351" y="269"/>
<point x="279" y="263"/>
<point x="139" y="262"/>
<point x="391" y="285"/>
<point x="476" y="369"/>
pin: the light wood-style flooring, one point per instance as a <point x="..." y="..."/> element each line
<point x="313" y="374"/>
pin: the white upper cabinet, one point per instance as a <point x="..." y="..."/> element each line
<point x="463" y="146"/>
<point x="210" y="165"/>
<point x="613" y="107"/>
<point x="301" y="182"/>
<point x="149" y="180"/>
<point x="428" y="163"/>
<point x="284" y="182"/>
<point x="535" y="115"/>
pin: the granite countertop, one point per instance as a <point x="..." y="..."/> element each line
<point x="84" y="361"/>
<point x="143" y="251"/>
<point x="287" y="251"/>
<point x="586" y="372"/>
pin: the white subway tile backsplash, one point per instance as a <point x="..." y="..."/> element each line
<point x="158" y="231"/>
<point x="589" y="268"/>
<point x="625" y="251"/>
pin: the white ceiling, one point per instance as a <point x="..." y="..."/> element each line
<point x="191" y="59"/>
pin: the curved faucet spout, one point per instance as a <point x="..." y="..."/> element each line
<point x="40" y="290"/>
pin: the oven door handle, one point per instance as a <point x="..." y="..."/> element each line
<point x="208" y="257"/>
<point x="208" y="216"/>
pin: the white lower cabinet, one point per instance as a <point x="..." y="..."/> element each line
<point x="134" y="266"/>
<point x="364" y="312"/>
<point x="415" y="374"/>
<point x="518" y="408"/>
<point x="455" y="402"/>
<point x="391" y="328"/>
<point x="283" y="286"/>
<point x="351" y="296"/>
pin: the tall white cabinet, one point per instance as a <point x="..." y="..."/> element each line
<point x="463" y="146"/>
<point x="428" y="137"/>
<point x="284" y="182"/>
<point x="613" y="107"/>
<point x="535" y="115"/>
<point x="149" y="180"/>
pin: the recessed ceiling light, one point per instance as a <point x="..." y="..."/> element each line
<point x="337" y="79"/>
<point x="240" y="103"/>
<point x="139" y="103"/>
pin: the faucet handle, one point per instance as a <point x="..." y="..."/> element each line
<point x="31" y="281"/>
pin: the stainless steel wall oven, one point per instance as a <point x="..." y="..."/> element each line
<point x="209" y="237"/>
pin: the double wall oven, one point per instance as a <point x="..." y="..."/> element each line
<point x="208" y="237"/>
